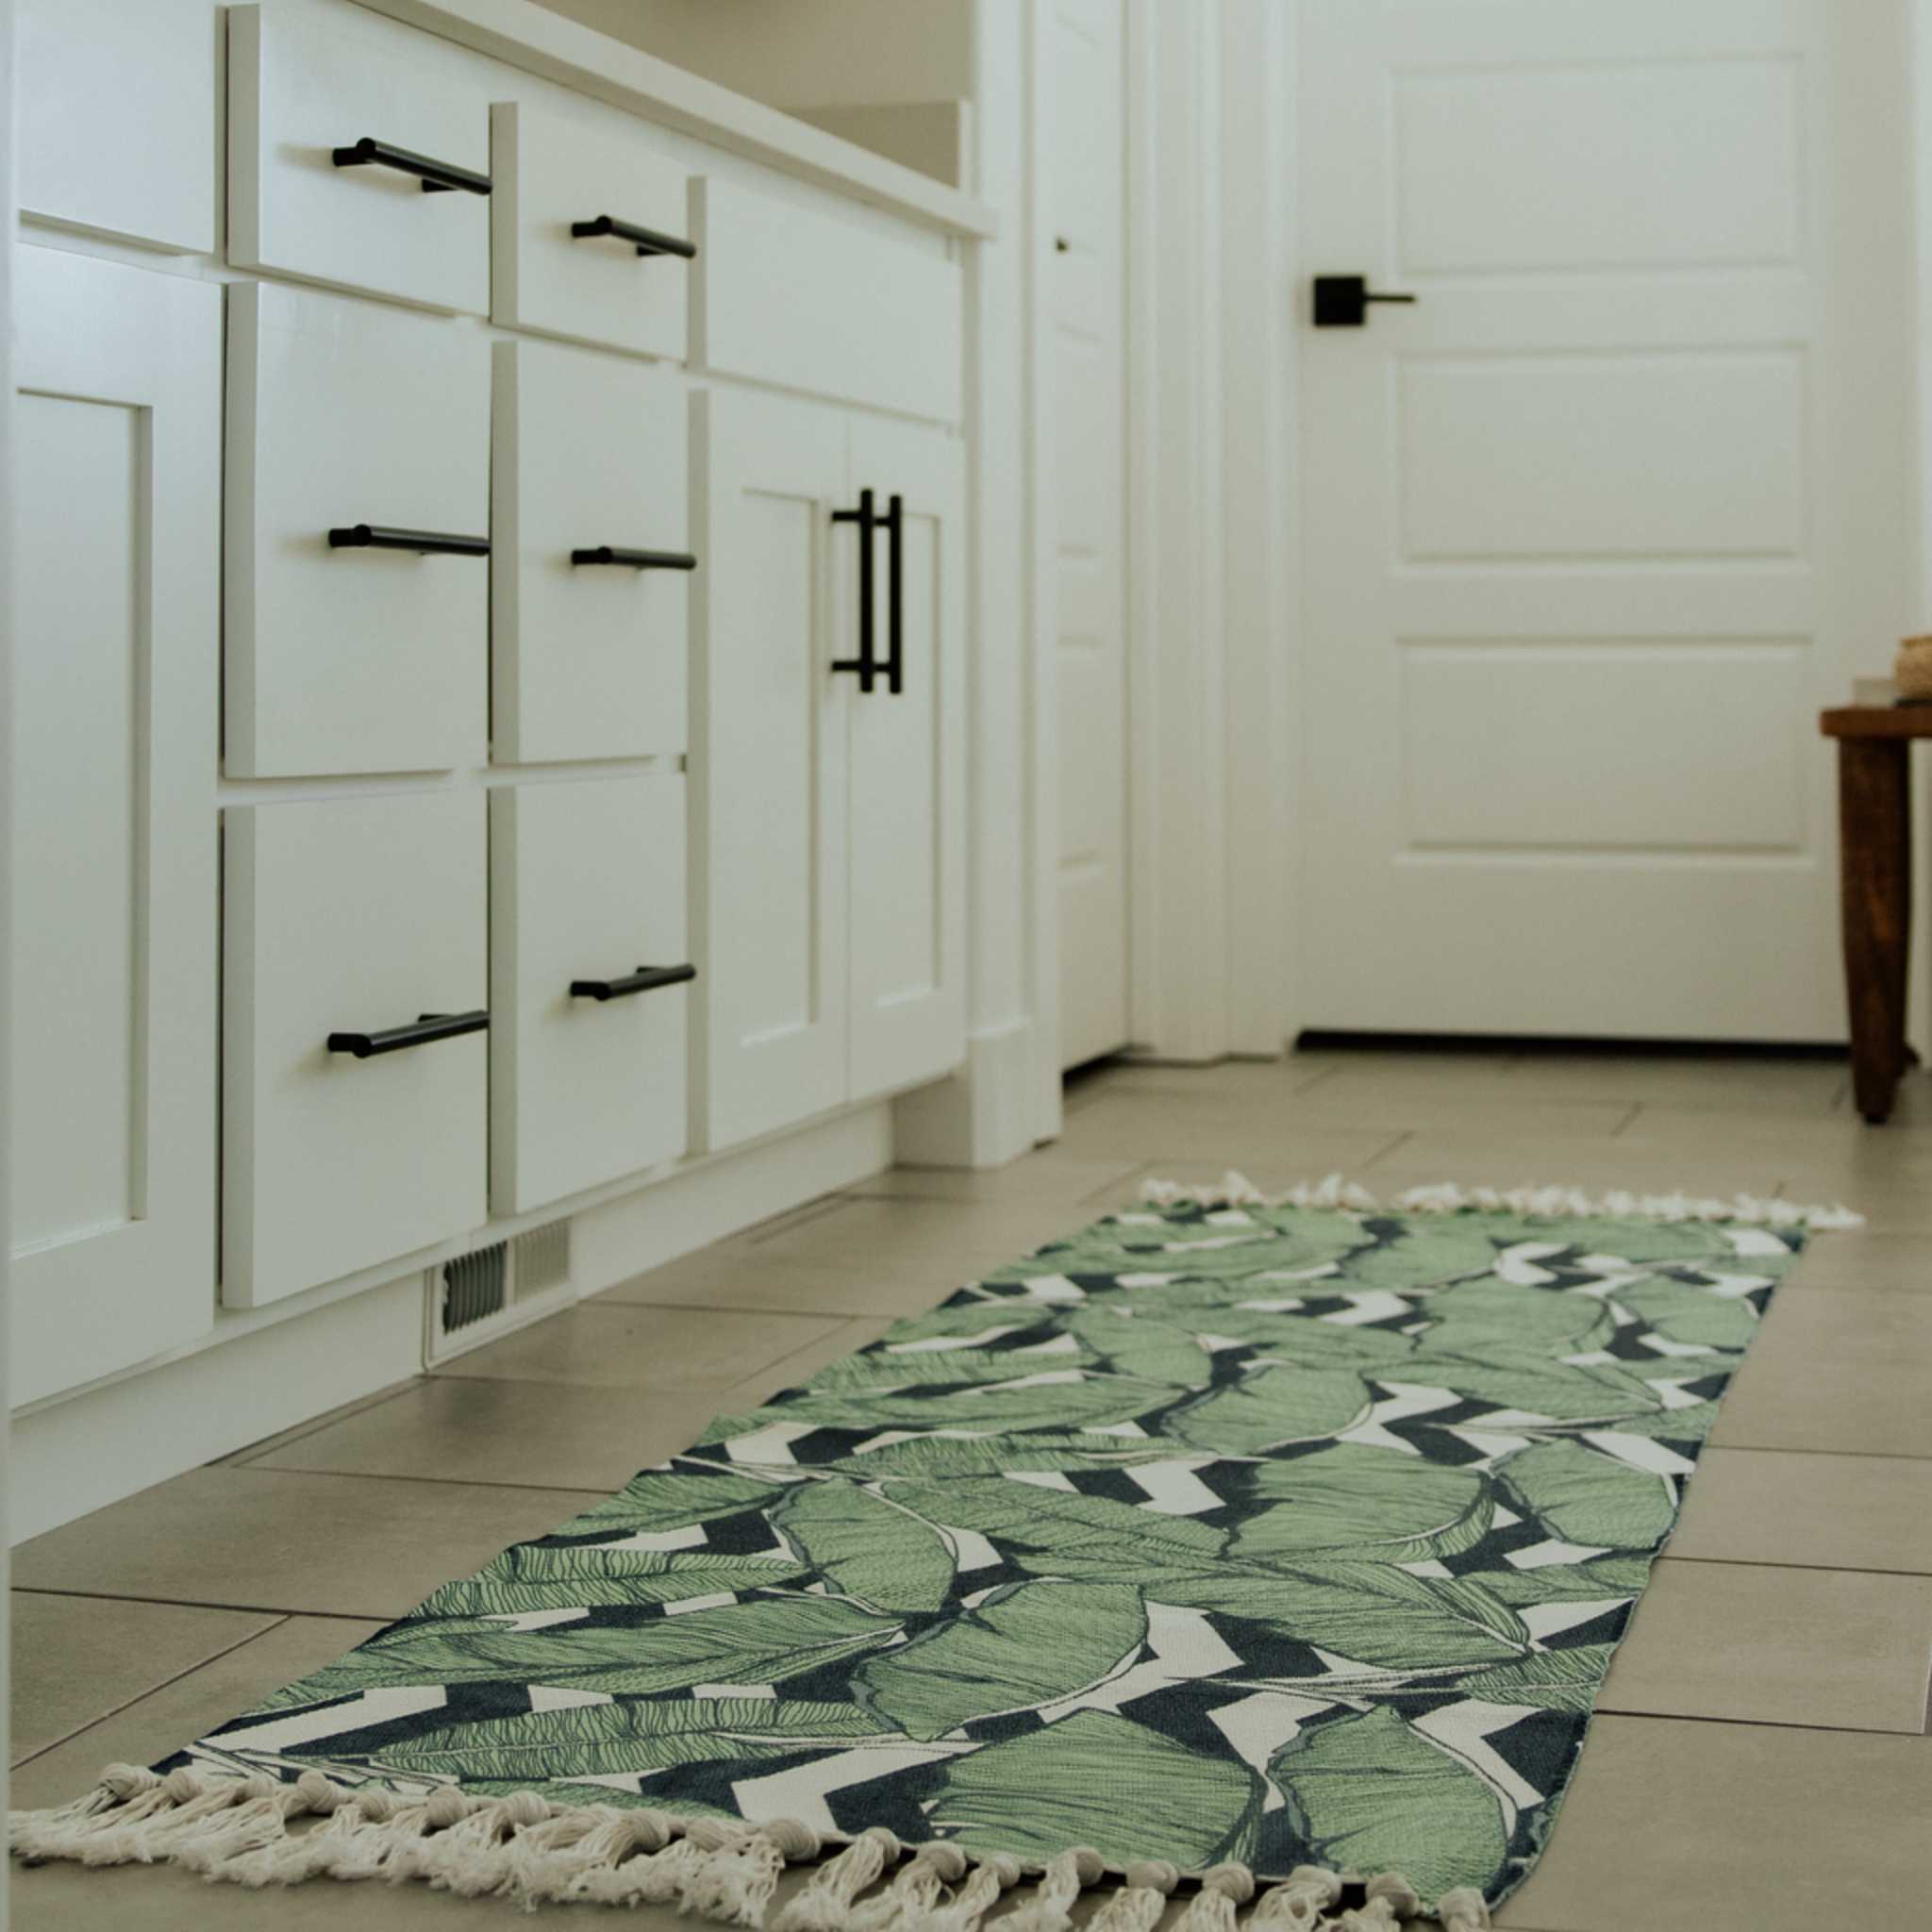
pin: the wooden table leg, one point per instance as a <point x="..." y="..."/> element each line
<point x="1876" y="853"/>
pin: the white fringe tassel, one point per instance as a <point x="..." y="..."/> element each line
<point x="1445" y="1197"/>
<point x="237" y="1830"/>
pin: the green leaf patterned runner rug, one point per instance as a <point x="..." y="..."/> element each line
<point x="1221" y="1541"/>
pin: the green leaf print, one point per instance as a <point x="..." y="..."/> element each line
<point x="1585" y="1496"/>
<point x="867" y="1547"/>
<point x="1056" y="1533"/>
<point x="1553" y="1679"/>
<point x="1029" y="1644"/>
<point x="665" y="1499"/>
<point x="1521" y="1378"/>
<point x="1696" y="1317"/>
<point x="1372" y="1613"/>
<point x="1101" y="1780"/>
<point x="1272" y="1406"/>
<point x="1600" y="1578"/>
<point x="967" y="1318"/>
<point x="1041" y="1450"/>
<point x="1032" y="1404"/>
<point x="1306" y="1342"/>
<point x="763" y="1641"/>
<point x="1446" y="1250"/>
<point x="1143" y="1345"/>
<point x="1371" y="1501"/>
<point x="511" y="1591"/>
<point x="1474" y="1316"/>
<point x="597" y="1739"/>
<point x="1643" y="1240"/>
<point x="879" y="1372"/>
<point x="1372" y="1793"/>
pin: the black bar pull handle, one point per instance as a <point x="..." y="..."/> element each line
<point x="865" y="665"/>
<point x="646" y="979"/>
<point x="437" y="178"/>
<point x="647" y="240"/>
<point x="424" y="542"/>
<point x="428" y="1026"/>
<point x="636" y="559"/>
<point x="895" y="594"/>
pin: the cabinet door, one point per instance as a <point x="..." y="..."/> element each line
<point x="118" y="132"/>
<point x="345" y="657"/>
<point x="588" y="657"/>
<point x="348" y="917"/>
<point x="117" y="561"/>
<point x="907" y="783"/>
<point x="767" y="771"/>
<point x="588" y="1049"/>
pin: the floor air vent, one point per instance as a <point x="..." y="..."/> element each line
<point x="475" y="1286"/>
<point x="490" y="1291"/>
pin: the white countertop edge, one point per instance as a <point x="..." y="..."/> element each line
<point x="522" y="34"/>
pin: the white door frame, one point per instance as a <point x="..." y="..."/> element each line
<point x="9" y="216"/>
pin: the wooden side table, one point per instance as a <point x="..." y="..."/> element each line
<point x="1874" y="737"/>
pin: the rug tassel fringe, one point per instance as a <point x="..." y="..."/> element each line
<point x="1446" y="1197"/>
<point x="239" y="1830"/>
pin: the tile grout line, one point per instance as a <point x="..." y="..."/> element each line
<point x="281" y="1617"/>
<point x="604" y="1491"/>
<point x="1666" y="1556"/>
<point x="270" y="1446"/>
<point x="278" y="1610"/>
<point x="1750" y="1724"/>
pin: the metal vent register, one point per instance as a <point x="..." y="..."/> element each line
<point x="475" y="1296"/>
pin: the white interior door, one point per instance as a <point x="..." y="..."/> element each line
<point x="1595" y="527"/>
<point x="118" y="449"/>
<point x="1082" y="59"/>
<point x="906" y="786"/>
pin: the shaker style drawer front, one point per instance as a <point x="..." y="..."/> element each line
<point x="588" y="233"/>
<point x="358" y="155"/>
<point x="589" y="582"/>
<point x="357" y="538"/>
<point x="355" y="1055"/>
<point x="588" y="984"/>
<point x="811" y="301"/>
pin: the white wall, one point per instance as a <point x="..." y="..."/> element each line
<point x="804" y="53"/>
<point x="7" y="217"/>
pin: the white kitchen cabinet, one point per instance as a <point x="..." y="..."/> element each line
<point x="816" y="301"/>
<point x="118" y="132"/>
<point x="355" y="1002"/>
<point x="591" y="570"/>
<point x="588" y="984"/>
<point x="118" y="441"/>
<point x="906" y="789"/>
<point x="828" y="829"/>
<point x="561" y="263"/>
<point x="347" y="420"/>
<point x="358" y="155"/>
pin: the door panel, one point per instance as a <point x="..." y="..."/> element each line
<point x="1593" y="529"/>
<point x="114" y="1014"/>
<point x="906" y="797"/>
<point x="1083" y="53"/>
<point x="767" y="768"/>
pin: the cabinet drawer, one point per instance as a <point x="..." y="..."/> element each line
<point x="349" y="917"/>
<point x="587" y="887"/>
<point x="342" y="415"/>
<point x="789" y="295"/>
<point x="587" y="656"/>
<point x="552" y="174"/>
<point x="306" y="82"/>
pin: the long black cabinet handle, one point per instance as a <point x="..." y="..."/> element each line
<point x="437" y="178"/>
<point x="647" y="240"/>
<point x="865" y="665"/>
<point x="646" y="979"/>
<point x="895" y="594"/>
<point x="426" y="1027"/>
<point x="425" y="543"/>
<point x="636" y="559"/>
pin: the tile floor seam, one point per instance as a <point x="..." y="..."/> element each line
<point x="454" y="1482"/>
<point x="280" y="1618"/>
<point x="1806" y="1449"/>
<point x="283" y="1612"/>
<point x="287" y="1439"/>
<point x="1666" y="1556"/>
<point x="1748" y="1724"/>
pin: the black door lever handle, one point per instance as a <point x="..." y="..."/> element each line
<point x="1342" y="301"/>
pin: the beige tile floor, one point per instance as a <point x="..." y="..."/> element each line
<point x="1762" y="1761"/>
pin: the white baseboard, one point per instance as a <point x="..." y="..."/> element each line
<point x="983" y="1115"/>
<point x="68" y="1457"/>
